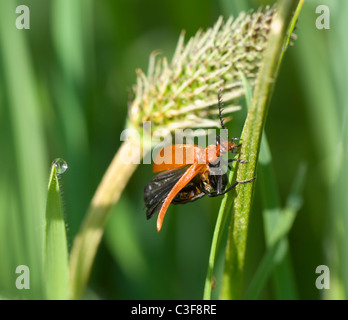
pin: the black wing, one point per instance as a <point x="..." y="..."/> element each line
<point x="157" y="190"/>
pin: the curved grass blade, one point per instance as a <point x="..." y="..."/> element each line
<point x="225" y="205"/>
<point x="252" y="133"/>
<point x="283" y="278"/>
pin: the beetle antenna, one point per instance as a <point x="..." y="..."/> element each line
<point x="220" y="102"/>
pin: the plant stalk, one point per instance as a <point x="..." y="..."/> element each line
<point x="88" y="239"/>
<point x="252" y="133"/>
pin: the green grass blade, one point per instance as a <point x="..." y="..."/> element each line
<point x="278" y="248"/>
<point x="225" y="205"/>
<point x="274" y="255"/>
<point x="283" y="280"/>
<point x="56" y="250"/>
<point x="217" y="235"/>
<point x="324" y="88"/>
<point x="252" y="133"/>
<point x="337" y="251"/>
<point x="26" y="155"/>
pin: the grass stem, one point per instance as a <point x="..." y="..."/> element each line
<point x="252" y="133"/>
<point x="88" y="239"/>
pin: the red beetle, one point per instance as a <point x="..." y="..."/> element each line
<point x="192" y="177"/>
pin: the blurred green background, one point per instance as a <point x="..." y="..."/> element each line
<point x="64" y="89"/>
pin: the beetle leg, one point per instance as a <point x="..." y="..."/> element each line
<point x="239" y="160"/>
<point x="215" y="194"/>
<point x="219" y="184"/>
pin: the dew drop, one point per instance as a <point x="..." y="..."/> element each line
<point x="61" y="165"/>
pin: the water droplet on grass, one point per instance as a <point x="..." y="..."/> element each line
<point x="61" y="165"/>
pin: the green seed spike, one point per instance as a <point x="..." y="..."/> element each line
<point x="183" y="93"/>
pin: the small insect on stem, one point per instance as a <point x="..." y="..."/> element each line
<point x="198" y="174"/>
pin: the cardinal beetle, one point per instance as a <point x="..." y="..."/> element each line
<point x="191" y="178"/>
